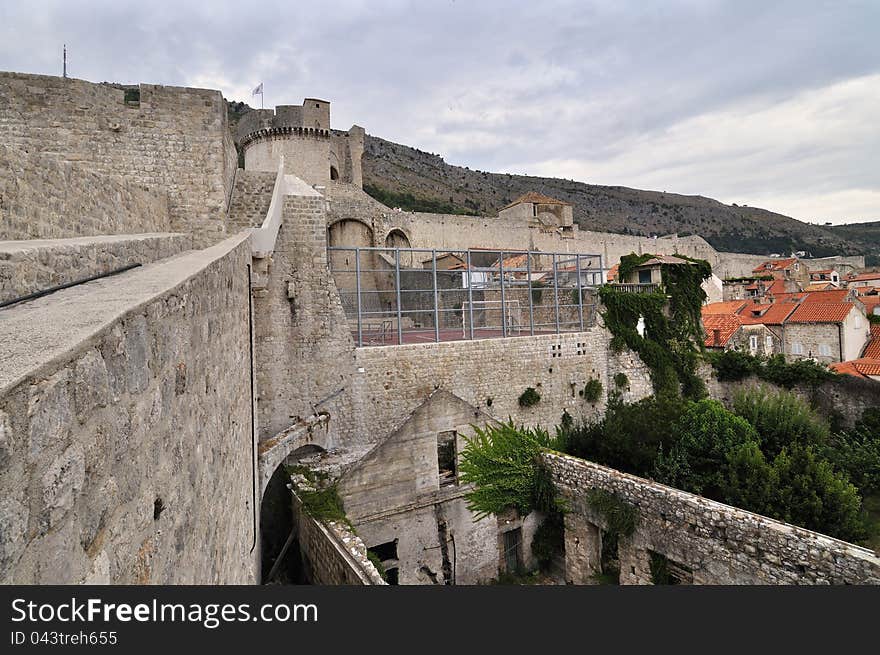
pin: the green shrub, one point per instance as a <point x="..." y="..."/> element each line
<point x="549" y="540"/>
<point x="805" y="372"/>
<point x="629" y="435"/>
<point x="810" y="493"/>
<point x="621" y="381"/>
<point x="707" y="432"/>
<point x="781" y="419"/>
<point x="592" y="391"/>
<point x="323" y="504"/>
<point x="856" y="452"/>
<point x="529" y="397"/>
<point x="733" y="365"/>
<point x="502" y="462"/>
<point x="620" y="516"/>
<point x="374" y="558"/>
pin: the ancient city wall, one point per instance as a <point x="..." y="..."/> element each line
<point x="126" y="450"/>
<point x="172" y="140"/>
<point x="331" y="553"/>
<point x="43" y="198"/>
<point x="720" y="544"/>
<point x="303" y="345"/>
<point x="491" y="374"/>
<point x="36" y="264"/>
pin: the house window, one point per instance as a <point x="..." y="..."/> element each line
<point x="768" y="343"/>
<point x="753" y="343"/>
<point x="797" y="348"/>
<point x="387" y="554"/>
<point x="534" y="210"/>
<point x="644" y="277"/>
<point x="825" y="350"/>
<point x="446" y="457"/>
<point x="513" y="550"/>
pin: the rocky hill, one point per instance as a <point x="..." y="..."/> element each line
<point x="412" y="179"/>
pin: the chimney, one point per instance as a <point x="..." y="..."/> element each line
<point x="716" y="336"/>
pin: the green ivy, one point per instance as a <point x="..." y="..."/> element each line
<point x="673" y="338"/>
<point x="592" y="391"/>
<point x="529" y="397"/>
<point x="620" y="516"/>
<point x="621" y="381"/>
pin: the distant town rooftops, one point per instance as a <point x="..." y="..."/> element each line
<point x="775" y="265"/>
<point x="720" y="328"/>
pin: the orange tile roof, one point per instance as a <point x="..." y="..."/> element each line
<point x="824" y="271"/>
<point x="872" y="350"/>
<point x="864" y="276"/>
<point x="775" y="265"/>
<point x="789" y="297"/>
<point x="821" y="312"/>
<point x="819" y="286"/>
<point x="771" y="313"/>
<point x="536" y="199"/>
<point x="832" y="295"/>
<point x="612" y="272"/>
<point x="726" y="324"/>
<point x="727" y="307"/>
<point x="776" y="287"/>
<point x="862" y="367"/>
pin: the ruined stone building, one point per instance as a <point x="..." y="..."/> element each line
<point x="209" y="323"/>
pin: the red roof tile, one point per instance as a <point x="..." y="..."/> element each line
<point x="863" y="277"/>
<point x="770" y="313"/>
<point x="872" y="350"/>
<point x="846" y="368"/>
<point x="775" y="265"/>
<point x="862" y="367"/>
<point x="726" y="324"/>
<point x="612" y="272"/>
<point x="832" y="295"/>
<point x="821" y="312"/>
<point x="728" y="307"/>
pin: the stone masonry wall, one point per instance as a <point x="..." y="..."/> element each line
<point x="397" y="379"/>
<point x="43" y="198"/>
<point x="332" y="554"/>
<point x="174" y="141"/>
<point x="251" y="198"/>
<point x="719" y="543"/>
<point x="303" y="348"/>
<point x="126" y="449"/>
<point x="28" y="266"/>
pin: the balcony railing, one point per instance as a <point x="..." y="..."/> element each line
<point x="649" y="287"/>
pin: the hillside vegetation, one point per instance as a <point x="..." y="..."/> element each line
<point x="391" y="168"/>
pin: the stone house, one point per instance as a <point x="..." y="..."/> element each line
<point x="826" y="332"/>
<point x="542" y="211"/>
<point x="408" y="505"/>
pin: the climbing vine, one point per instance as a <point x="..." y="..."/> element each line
<point x="673" y="336"/>
<point x="620" y="516"/>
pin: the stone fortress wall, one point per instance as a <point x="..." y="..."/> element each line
<point x="172" y="142"/>
<point x="136" y="389"/>
<point x="126" y="443"/>
<point x="716" y="543"/>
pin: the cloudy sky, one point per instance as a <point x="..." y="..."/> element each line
<point x="770" y="104"/>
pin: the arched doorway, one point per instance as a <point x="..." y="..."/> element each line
<point x="280" y="557"/>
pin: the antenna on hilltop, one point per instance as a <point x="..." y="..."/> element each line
<point x="65" y="61"/>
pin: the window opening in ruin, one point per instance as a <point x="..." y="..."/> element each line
<point x="665" y="571"/>
<point x="610" y="558"/>
<point x="446" y="457"/>
<point x="392" y="577"/>
<point x="513" y="550"/>
<point x="334" y="174"/>
<point x="385" y="552"/>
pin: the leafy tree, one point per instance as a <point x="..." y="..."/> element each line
<point x="698" y="462"/>
<point x="629" y="436"/>
<point x="781" y="419"/>
<point x="810" y="493"/>
<point x="750" y="480"/>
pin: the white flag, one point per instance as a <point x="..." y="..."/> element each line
<point x="259" y="89"/>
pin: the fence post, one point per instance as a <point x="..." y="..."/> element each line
<point x="531" y="302"/>
<point x="470" y="286"/>
<point x="503" y="317"/>
<point x="556" y="291"/>
<point x="397" y="286"/>
<point x="436" y="303"/>
<point x="357" y="277"/>
<point x="580" y="291"/>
